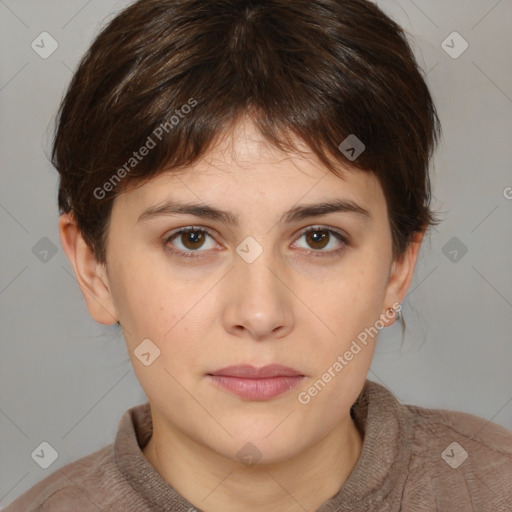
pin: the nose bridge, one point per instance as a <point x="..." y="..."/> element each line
<point x="259" y="302"/>
<point x="256" y="267"/>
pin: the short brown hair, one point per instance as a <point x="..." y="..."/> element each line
<point x="172" y="75"/>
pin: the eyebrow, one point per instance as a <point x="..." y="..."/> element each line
<point x="294" y="214"/>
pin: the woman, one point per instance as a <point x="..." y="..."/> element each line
<point x="244" y="189"/>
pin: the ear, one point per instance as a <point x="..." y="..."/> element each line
<point x="90" y="275"/>
<point x="402" y="272"/>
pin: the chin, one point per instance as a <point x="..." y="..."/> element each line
<point x="261" y="448"/>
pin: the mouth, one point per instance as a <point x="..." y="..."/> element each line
<point x="251" y="383"/>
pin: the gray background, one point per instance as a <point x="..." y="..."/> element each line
<point x="66" y="380"/>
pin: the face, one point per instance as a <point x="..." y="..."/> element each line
<point x="271" y="281"/>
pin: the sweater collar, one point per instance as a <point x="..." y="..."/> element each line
<point x="378" y="478"/>
<point x="375" y="483"/>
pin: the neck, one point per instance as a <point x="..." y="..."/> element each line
<point x="215" y="483"/>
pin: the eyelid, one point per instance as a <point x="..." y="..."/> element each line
<point x="320" y="227"/>
<point x="186" y="229"/>
<point x="338" y="234"/>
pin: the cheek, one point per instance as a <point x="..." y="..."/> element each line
<point x="354" y="295"/>
<point x="349" y="304"/>
<point x="173" y="313"/>
<point x="143" y="300"/>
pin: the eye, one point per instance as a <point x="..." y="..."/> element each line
<point x="191" y="241"/>
<point x="319" y="238"/>
<point x="188" y="241"/>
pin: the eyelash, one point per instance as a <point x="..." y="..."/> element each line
<point x="314" y="253"/>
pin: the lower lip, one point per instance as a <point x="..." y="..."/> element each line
<point x="257" y="389"/>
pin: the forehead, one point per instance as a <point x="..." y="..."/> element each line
<point x="243" y="167"/>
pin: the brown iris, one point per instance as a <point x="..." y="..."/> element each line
<point x="192" y="239"/>
<point x="317" y="239"/>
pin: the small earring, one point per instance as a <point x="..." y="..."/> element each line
<point x="393" y="312"/>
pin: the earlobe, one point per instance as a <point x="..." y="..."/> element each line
<point x="90" y="275"/>
<point x="402" y="272"/>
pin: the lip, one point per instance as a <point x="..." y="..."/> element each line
<point x="253" y="383"/>
<point x="248" y="371"/>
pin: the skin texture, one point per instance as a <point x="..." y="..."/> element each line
<point x="290" y="306"/>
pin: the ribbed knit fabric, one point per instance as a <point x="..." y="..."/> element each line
<point x="408" y="463"/>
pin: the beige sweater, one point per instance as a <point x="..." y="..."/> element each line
<point x="413" y="460"/>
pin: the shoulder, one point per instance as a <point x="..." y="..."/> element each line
<point x="459" y="459"/>
<point x="480" y="437"/>
<point x="102" y="480"/>
<point x="75" y="486"/>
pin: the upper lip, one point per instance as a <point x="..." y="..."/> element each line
<point x="248" y="371"/>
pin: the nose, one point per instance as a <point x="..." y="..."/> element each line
<point x="258" y="300"/>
